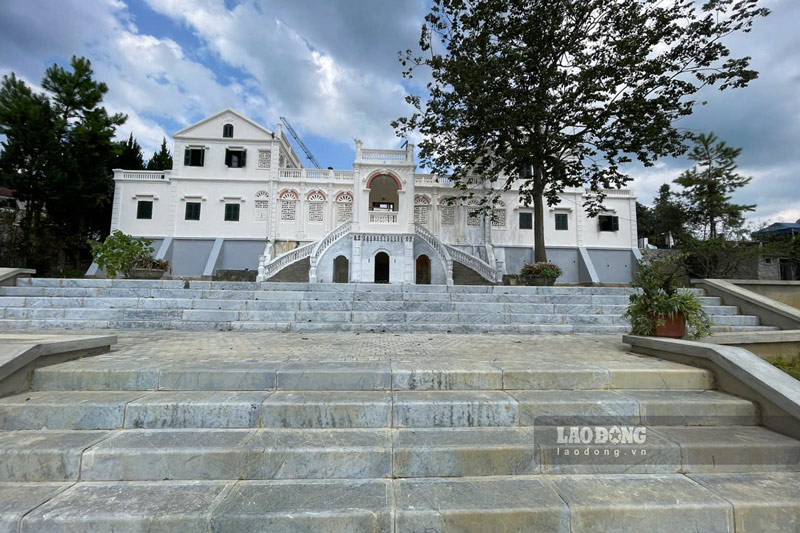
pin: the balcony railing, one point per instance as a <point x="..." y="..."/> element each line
<point x="384" y="155"/>
<point x="382" y="217"/>
<point x="314" y="174"/>
<point x="141" y="175"/>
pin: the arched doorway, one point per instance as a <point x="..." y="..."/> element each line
<point x="341" y="270"/>
<point x="382" y="267"/>
<point x="383" y="193"/>
<point x="423" y="270"/>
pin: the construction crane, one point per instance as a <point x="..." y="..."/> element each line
<point x="294" y="134"/>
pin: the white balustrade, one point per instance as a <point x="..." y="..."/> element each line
<point x="384" y="155"/>
<point x="142" y="175"/>
<point x="284" y="260"/>
<point x="478" y="265"/>
<point x="382" y="217"/>
<point x="438" y="247"/>
<point x="317" y="174"/>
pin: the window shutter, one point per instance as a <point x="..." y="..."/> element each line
<point x="615" y="223"/>
<point x="187" y="157"/>
<point x="227" y="158"/>
<point x="244" y="159"/>
<point x="202" y="158"/>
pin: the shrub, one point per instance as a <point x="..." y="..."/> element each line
<point x="540" y="270"/>
<point x="660" y="298"/>
<point x="120" y="252"/>
<point x="789" y="365"/>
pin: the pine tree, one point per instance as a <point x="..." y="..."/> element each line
<point x="161" y="160"/>
<point x="709" y="185"/>
<point x="129" y="155"/>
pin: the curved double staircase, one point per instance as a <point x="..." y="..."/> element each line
<point x="314" y="251"/>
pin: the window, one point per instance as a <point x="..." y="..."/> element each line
<point x="192" y="210"/>
<point x="767" y="260"/>
<point x="344" y="207"/>
<point x="227" y="131"/>
<point x="232" y="212"/>
<point x="447" y="211"/>
<point x="562" y="221"/>
<point x="288" y="205"/>
<point x="144" y="209"/>
<point x="609" y="223"/>
<point x="499" y="214"/>
<point x="262" y="205"/>
<point x="264" y="159"/>
<point x="526" y="221"/>
<point x="421" y="209"/>
<point x="473" y="213"/>
<point x="194" y="157"/>
<point x="235" y="158"/>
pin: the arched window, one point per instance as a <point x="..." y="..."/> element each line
<point x="473" y="212"/>
<point x="262" y="205"/>
<point x="499" y="214"/>
<point x="288" y="205"/>
<point x="421" y="209"/>
<point x="447" y="209"/>
<point x="227" y="131"/>
<point x="316" y="206"/>
<point x="344" y="207"/>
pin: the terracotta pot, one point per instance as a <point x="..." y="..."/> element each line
<point x="674" y="328"/>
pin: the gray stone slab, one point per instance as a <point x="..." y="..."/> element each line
<point x="209" y="315"/>
<point x="164" y="454"/>
<point x="230" y="376"/>
<point x="576" y="407"/>
<point x="195" y="409"/>
<point x="343" y="376"/>
<point x="762" y="502"/>
<point x="17" y="499"/>
<point x="77" y="378"/>
<point x="642" y="502"/>
<point x="446" y="376"/>
<point x="324" y="506"/>
<point x="65" y="410"/>
<point x="476" y="505"/>
<point x="454" y="409"/>
<point x="560" y="376"/>
<point x="694" y="408"/>
<point x="660" y="377"/>
<point x="733" y="448"/>
<point x="230" y="305"/>
<point x="44" y="455"/>
<point x="327" y="409"/>
<point x="128" y="507"/>
<point x="456" y="452"/>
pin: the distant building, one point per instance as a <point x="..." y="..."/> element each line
<point x="238" y="198"/>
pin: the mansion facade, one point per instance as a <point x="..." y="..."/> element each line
<point x="239" y="198"/>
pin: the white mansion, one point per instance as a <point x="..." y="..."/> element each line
<point x="239" y="198"/>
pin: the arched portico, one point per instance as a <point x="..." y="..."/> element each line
<point x="383" y="192"/>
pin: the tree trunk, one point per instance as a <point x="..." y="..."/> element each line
<point x="539" y="250"/>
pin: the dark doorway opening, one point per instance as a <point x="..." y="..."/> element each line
<point x="423" y="270"/>
<point x="341" y="270"/>
<point x="382" y="267"/>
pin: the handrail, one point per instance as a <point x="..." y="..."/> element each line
<point x="284" y="260"/>
<point x="322" y="246"/>
<point x="438" y="246"/>
<point x="478" y="265"/>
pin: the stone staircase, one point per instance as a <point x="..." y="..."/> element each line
<point x="38" y="303"/>
<point x="139" y="441"/>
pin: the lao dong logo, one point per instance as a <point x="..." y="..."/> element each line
<point x="601" y="435"/>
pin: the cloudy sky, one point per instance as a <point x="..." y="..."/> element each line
<point x="330" y="67"/>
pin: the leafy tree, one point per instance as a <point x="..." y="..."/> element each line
<point x="709" y="186"/>
<point x="57" y="153"/>
<point x="669" y="218"/>
<point x="129" y="155"/>
<point x="562" y="93"/>
<point x="161" y="160"/>
<point x="645" y="222"/>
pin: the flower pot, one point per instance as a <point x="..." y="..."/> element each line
<point x="674" y="327"/>
<point x="540" y="281"/>
<point x="147" y="273"/>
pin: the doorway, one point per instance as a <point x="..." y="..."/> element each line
<point x="341" y="270"/>
<point x="423" y="270"/>
<point x="382" y="267"/>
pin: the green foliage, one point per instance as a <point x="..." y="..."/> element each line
<point x="719" y="257"/>
<point x="540" y="270"/>
<point x="550" y="95"/>
<point x="161" y="160"/>
<point x="129" y="155"/>
<point x="709" y="186"/>
<point x="790" y="365"/>
<point x="660" y="298"/>
<point x="57" y="154"/>
<point x="121" y="253"/>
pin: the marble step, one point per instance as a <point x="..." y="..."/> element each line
<point x="214" y="454"/>
<point x="759" y="502"/>
<point x="70" y="410"/>
<point x="367" y="376"/>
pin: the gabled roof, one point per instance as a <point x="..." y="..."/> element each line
<point x="780" y="227"/>
<point x="217" y="115"/>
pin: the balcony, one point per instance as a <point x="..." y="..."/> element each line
<point x="383" y="217"/>
<point x="141" y="175"/>
<point x="315" y="174"/>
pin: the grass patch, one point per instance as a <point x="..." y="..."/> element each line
<point x="790" y="365"/>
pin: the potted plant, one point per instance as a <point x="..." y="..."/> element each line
<point x="129" y="256"/>
<point x="540" y="273"/>
<point x="661" y="309"/>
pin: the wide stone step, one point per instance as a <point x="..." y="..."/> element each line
<point x="58" y="410"/>
<point x="366" y="376"/>
<point x="567" y="503"/>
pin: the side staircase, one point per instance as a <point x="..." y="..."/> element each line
<point x="115" y="444"/>
<point x="38" y="303"/>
